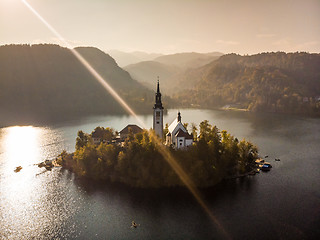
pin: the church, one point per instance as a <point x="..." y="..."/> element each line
<point x="177" y="135"/>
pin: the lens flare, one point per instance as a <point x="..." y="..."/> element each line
<point x="166" y="154"/>
<point x="85" y="63"/>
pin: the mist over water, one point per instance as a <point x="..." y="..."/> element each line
<point x="283" y="203"/>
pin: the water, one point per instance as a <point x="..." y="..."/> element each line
<point x="281" y="204"/>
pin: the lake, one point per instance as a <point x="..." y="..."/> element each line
<point x="281" y="204"/>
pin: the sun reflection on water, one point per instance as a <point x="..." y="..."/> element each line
<point x="21" y="146"/>
<point x="27" y="204"/>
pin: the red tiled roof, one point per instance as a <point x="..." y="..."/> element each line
<point x="135" y="129"/>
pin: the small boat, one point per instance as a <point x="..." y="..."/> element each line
<point x="134" y="224"/>
<point x="48" y="163"/>
<point x="277" y="159"/>
<point x="268" y="164"/>
<point x="18" y="169"/>
<point x="266" y="156"/>
<point x="266" y="167"/>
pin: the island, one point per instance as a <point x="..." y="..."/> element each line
<point x="138" y="160"/>
<point x="162" y="156"/>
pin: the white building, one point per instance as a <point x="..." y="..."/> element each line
<point x="178" y="135"/>
<point x="158" y="114"/>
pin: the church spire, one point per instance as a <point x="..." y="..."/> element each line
<point x="158" y="103"/>
<point x="158" y="113"/>
<point x="158" y="88"/>
<point x="179" y="117"/>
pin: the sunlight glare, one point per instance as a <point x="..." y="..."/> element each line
<point x="21" y="145"/>
<point x="168" y="157"/>
<point x="22" y="192"/>
<point x="87" y="65"/>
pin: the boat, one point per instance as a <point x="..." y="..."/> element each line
<point x="266" y="167"/>
<point x="18" y="169"/>
<point x="134" y="224"/>
<point x="268" y="164"/>
<point x="277" y="159"/>
<point x="48" y="163"/>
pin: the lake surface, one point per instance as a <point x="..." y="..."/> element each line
<point x="281" y="204"/>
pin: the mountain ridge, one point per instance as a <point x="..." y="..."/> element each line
<point x="45" y="82"/>
<point x="272" y="82"/>
<point x="187" y="60"/>
<point x="126" y="58"/>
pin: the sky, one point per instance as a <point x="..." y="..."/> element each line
<point x="167" y="26"/>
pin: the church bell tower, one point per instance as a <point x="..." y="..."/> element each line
<point x="158" y="113"/>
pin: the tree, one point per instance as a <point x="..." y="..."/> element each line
<point x="204" y="129"/>
<point x="105" y="134"/>
<point x="141" y="162"/>
<point x="194" y="130"/>
<point x="81" y="140"/>
<point x="247" y="153"/>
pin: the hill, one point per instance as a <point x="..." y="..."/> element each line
<point x="124" y="58"/>
<point x="274" y="82"/>
<point x="188" y="60"/>
<point x="145" y="72"/>
<point x="169" y="68"/>
<point x="41" y="83"/>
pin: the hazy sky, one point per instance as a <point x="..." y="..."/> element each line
<point x="168" y="26"/>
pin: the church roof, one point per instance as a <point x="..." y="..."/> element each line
<point x="135" y="129"/>
<point x="174" y="124"/>
<point x="158" y="103"/>
<point x="181" y="133"/>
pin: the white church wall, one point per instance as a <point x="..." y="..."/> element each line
<point x="189" y="142"/>
<point x="180" y="143"/>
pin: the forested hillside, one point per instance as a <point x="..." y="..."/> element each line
<point x="167" y="67"/>
<point x="145" y="72"/>
<point x="274" y="82"/>
<point x="47" y="83"/>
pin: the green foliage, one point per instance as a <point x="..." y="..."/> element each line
<point x="194" y="130"/>
<point x="81" y="140"/>
<point x="140" y="162"/>
<point x="105" y="134"/>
